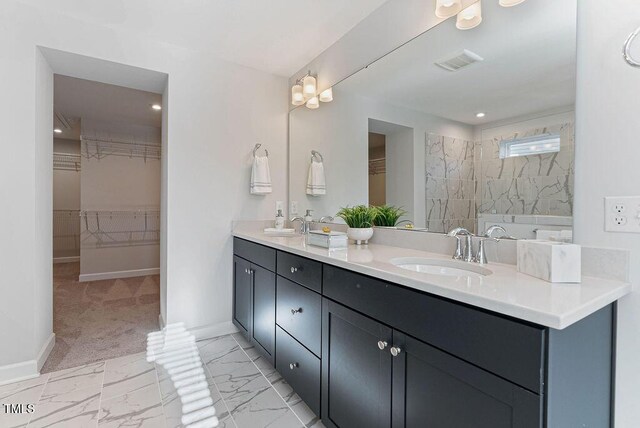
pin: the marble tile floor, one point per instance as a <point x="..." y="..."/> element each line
<point x="99" y="320"/>
<point x="130" y="392"/>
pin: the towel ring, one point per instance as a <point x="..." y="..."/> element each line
<point x="256" y="147"/>
<point x="317" y="155"/>
<point x="626" y="50"/>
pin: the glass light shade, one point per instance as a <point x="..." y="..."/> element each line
<point x="509" y="3"/>
<point x="297" y="98"/>
<point x="447" y="8"/>
<point x="469" y="17"/>
<point x="309" y="87"/>
<point x="313" y="103"/>
<point x="326" y="95"/>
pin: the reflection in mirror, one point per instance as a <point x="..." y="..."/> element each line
<point x="491" y="142"/>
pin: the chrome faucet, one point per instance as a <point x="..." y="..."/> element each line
<point x="467" y="256"/>
<point x="326" y="219"/>
<point x="304" y="225"/>
<point x="481" y="256"/>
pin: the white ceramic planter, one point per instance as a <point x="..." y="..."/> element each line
<point x="360" y="235"/>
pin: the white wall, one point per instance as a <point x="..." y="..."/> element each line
<point x="399" y="178"/>
<point x="340" y="131"/>
<point x="217" y="112"/>
<point x="607" y="153"/>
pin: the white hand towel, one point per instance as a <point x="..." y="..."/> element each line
<point x="260" y="176"/>
<point x="316" y="182"/>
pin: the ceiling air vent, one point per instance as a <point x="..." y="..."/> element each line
<point x="459" y="60"/>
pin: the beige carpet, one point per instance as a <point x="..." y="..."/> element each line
<point x="99" y="320"/>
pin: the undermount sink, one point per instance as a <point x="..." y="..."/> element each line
<point x="440" y="267"/>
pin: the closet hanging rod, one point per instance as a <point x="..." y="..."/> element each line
<point x="256" y="147"/>
<point x="315" y="154"/>
<point x="626" y="49"/>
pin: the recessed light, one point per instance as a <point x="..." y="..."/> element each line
<point x="156" y="107"/>
<point x="480" y="115"/>
<point x="57" y="130"/>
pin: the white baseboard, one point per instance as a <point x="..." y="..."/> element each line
<point x="27" y="369"/>
<point x="66" y="259"/>
<point x="213" y="330"/>
<point x="118" y="274"/>
<point x="46" y="350"/>
<point x="160" y="321"/>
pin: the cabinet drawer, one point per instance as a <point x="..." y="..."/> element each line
<point x="255" y="253"/>
<point x="508" y="348"/>
<point x="300" y="368"/>
<point x="298" y="269"/>
<point x="299" y="312"/>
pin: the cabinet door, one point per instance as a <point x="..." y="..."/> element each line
<point x="241" y="293"/>
<point x="436" y="390"/>
<point x="264" y="309"/>
<point x="356" y="374"/>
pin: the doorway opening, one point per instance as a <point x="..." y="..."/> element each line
<point x="107" y="173"/>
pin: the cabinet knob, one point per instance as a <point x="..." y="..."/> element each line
<point x="250" y="271"/>
<point x="395" y="351"/>
<point x="296" y="311"/>
<point x="382" y="344"/>
<point x="294" y="269"/>
<point x="293" y="366"/>
<point x="246" y="271"/>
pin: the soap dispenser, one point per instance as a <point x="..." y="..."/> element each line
<point x="308" y="217"/>
<point x="279" y="220"/>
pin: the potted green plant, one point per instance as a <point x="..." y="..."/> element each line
<point x="388" y="215"/>
<point x="360" y="221"/>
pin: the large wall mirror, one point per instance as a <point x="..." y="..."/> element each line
<point x="460" y="128"/>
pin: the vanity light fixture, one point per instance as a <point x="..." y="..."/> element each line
<point x="510" y="3"/>
<point x="470" y="17"/>
<point x="57" y="130"/>
<point x="156" y="107"/>
<point x="448" y="8"/>
<point x="480" y="115"/>
<point x="305" y="91"/>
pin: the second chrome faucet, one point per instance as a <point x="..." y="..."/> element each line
<point x="467" y="254"/>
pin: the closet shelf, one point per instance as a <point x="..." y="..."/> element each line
<point x="120" y="228"/>
<point x="66" y="161"/>
<point x="66" y="229"/>
<point x="377" y="166"/>
<point x="96" y="148"/>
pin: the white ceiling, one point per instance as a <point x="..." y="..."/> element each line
<point x="529" y="65"/>
<point x="78" y="98"/>
<point x="277" y="36"/>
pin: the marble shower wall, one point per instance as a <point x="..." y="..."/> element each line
<point x="465" y="177"/>
<point x="538" y="184"/>
<point x="450" y="183"/>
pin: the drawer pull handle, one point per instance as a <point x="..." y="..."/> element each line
<point x="382" y="344"/>
<point x="293" y="366"/>
<point x="294" y="269"/>
<point x="296" y="311"/>
<point x="395" y="351"/>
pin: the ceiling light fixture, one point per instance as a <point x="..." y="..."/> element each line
<point x="470" y="17"/>
<point x="448" y="8"/>
<point x="305" y="91"/>
<point x="57" y="130"/>
<point x="480" y="115"/>
<point x="156" y="107"/>
<point x="510" y="3"/>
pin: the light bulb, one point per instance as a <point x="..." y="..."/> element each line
<point x="57" y="130"/>
<point x="509" y="3"/>
<point x="156" y="107"/>
<point x="470" y="17"/>
<point x="309" y="86"/>
<point x="447" y="8"/>
<point x="297" y="98"/>
<point x="313" y="103"/>
<point x="326" y="95"/>
<point x="480" y="115"/>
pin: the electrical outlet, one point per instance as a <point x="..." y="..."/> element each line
<point x="622" y="214"/>
<point x="294" y="208"/>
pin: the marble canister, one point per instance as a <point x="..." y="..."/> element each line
<point x="550" y="260"/>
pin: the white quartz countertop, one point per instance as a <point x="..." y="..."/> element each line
<point x="505" y="290"/>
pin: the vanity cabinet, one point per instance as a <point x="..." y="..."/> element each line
<point x="254" y="295"/>
<point x="361" y="351"/>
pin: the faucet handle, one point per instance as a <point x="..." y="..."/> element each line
<point x="481" y="255"/>
<point x="457" y="255"/>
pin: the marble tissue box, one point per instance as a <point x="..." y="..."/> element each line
<point x="550" y="260"/>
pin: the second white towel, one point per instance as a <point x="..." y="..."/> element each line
<point x="316" y="182"/>
<point x="260" y="176"/>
